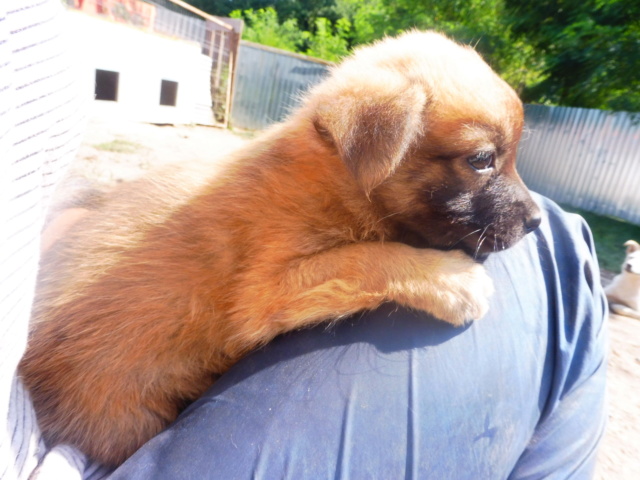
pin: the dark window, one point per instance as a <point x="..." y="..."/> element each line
<point x="168" y="93"/>
<point x="107" y="85"/>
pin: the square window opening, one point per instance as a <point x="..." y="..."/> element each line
<point x="107" y="85"/>
<point x="168" y="93"/>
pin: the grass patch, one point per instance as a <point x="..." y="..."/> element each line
<point x="119" y="146"/>
<point x="246" y="134"/>
<point x="609" y="233"/>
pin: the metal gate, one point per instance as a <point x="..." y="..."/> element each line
<point x="221" y="44"/>
<point x="219" y="38"/>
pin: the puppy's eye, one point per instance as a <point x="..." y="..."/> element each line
<point x="482" y="161"/>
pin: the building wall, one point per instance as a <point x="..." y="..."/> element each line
<point x="143" y="60"/>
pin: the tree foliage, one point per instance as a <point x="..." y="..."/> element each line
<point x="262" y="26"/>
<point x="328" y="42"/>
<point x="591" y="51"/>
<point x="564" y="52"/>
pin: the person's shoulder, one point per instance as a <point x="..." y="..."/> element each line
<point x="555" y="213"/>
<point x="559" y="224"/>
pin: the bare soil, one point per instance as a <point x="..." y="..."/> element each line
<point x="620" y="452"/>
<point x="114" y="151"/>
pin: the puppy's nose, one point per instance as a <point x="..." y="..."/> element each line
<point x="532" y="222"/>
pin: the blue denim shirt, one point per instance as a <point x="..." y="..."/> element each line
<point x="396" y="394"/>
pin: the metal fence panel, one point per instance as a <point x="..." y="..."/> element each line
<point x="586" y="158"/>
<point x="268" y="84"/>
<point x="179" y="25"/>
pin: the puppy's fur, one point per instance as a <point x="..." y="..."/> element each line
<point x="409" y="146"/>
<point x="623" y="292"/>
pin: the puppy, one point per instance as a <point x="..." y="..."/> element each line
<point x="406" y="151"/>
<point x="623" y="292"/>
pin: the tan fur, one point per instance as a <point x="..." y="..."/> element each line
<point x="623" y="292"/>
<point x="178" y="276"/>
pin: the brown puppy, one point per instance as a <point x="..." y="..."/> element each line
<point x="409" y="145"/>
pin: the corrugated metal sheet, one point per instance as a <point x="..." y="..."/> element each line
<point x="586" y="158"/>
<point x="174" y="21"/>
<point x="268" y="84"/>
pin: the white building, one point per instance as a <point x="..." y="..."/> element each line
<point x="154" y="64"/>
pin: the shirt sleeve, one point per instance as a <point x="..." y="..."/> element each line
<point x="565" y="440"/>
<point x="43" y="100"/>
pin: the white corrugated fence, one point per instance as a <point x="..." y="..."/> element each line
<point x="585" y="158"/>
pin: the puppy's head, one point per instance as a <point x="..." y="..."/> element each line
<point x="632" y="261"/>
<point x="429" y="132"/>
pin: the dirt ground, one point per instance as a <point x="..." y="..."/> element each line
<point x="620" y="452"/>
<point x="115" y="151"/>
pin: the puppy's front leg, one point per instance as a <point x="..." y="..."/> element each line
<point x="345" y="280"/>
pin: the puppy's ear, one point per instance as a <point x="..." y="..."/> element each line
<point x="371" y="123"/>
<point x="632" y="246"/>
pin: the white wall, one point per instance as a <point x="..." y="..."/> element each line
<point x="143" y="60"/>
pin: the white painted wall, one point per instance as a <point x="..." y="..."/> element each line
<point x="143" y="60"/>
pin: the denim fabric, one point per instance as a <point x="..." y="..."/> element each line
<point x="396" y="394"/>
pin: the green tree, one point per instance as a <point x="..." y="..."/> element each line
<point x="591" y="51"/>
<point x="370" y="19"/>
<point x="481" y="23"/>
<point x="223" y="8"/>
<point x="325" y="43"/>
<point x="305" y="12"/>
<point x="563" y="52"/>
<point x="262" y="26"/>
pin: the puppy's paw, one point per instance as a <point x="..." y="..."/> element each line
<point x="463" y="292"/>
<point x="452" y="287"/>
